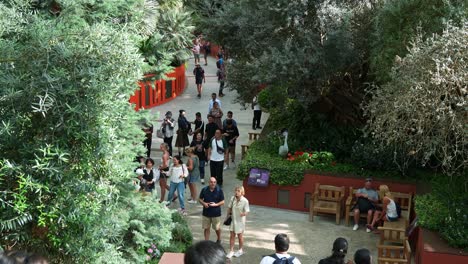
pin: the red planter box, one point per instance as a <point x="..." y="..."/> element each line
<point x="299" y="195"/>
<point x="432" y="249"/>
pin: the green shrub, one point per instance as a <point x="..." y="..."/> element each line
<point x="445" y="210"/>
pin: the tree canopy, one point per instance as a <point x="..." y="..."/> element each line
<point x="68" y="135"/>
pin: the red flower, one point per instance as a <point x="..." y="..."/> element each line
<point x="300" y="153"/>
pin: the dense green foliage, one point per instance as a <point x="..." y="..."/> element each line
<point x="398" y="22"/>
<point x="444" y="210"/>
<point x="422" y="110"/>
<point x="68" y="134"/>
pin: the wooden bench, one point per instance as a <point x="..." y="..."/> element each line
<point x="405" y="202"/>
<point x="388" y="254"/>
<point x="327" y="199"/>
<point x="350" y="201"/>
<point x="244" y="148"/>
<point x="392" y="235"/>
<point x="254" y="135"/>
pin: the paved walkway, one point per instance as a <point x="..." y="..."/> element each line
<point x="309" y="241"/>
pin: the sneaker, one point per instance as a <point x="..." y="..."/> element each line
<point x="230" y="254"/>
<point x="226" y="167"/>
<point x="355" y="227"/>
<point x="233" y="163"/>
<point x="167" y="203"/>
<point x="192" y="202"/>
<point x="368" y="230"/>
<point x="183" y="212"/>
<point x="203" y="181"/>
<point x="239" y="253"/>
<point x="259" y="127"/>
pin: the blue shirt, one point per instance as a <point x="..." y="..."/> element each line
<point x="371" y="193"/>
<point x="214" y="196"/>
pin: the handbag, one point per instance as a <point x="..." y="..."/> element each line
<point x="159" y="133"/>
<point x="228" y="220"/>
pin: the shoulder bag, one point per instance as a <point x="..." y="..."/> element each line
<point x="228" y="220"/>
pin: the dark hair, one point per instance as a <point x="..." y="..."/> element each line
<point x="229" y="122"/>
<point x="179" y="158"/>
<point x="229" y="112"/>
<point x="205" y="252"/>
<point x="362" y="256"/>
<point x="281" y="243"/>
<point x="198" y="114"/>
<point x="168" y="113"/>
<point x="210" y="116"/>
<point x="181" y="111"/>
<point x="213" y="94"/>
<point x="340" y="248"/>
<point x="149" y="160"/>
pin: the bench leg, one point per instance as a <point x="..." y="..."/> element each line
<point x="347" y="218"/>
<point x="338" y="218"/>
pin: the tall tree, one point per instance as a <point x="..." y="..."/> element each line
<point x="68" y="135"/>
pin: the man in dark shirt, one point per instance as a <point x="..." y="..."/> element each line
<point x="210" y="128"/>
<point x="231" y="133"/>
<point x="212" y="198"/>
<point x="199" y="78"/>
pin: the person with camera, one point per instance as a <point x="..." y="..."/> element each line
<point x="167" y="128"/>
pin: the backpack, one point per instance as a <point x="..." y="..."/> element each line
<point x="282" y="260"/>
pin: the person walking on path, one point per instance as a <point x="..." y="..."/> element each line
<point x="212" y="101"/>
<point x="238" y="208"/>
<point x="167" y="128"/>
<point x="221" y="73"/>
<point x="199" y="149"/>
<point x="216" y="153"/>
<point x="281" y="248"/>
<point x="182" y="140"/>
<point x="207" y="49"/>
<point x="199" y="78"/>
<point x="199" y="125"/>
<point x="193" y="165"/>
<point x="217" y="114"/>
<point x="163" y="169"/>
<point x="177" y="174"/>
<point x="230" y="133"/>
<point x="212" y="198"/>
<point x="229" y="116"/>
<point x="150" y="176"/>
<point x="196" y="51"/>
<point x="257" y="111"/>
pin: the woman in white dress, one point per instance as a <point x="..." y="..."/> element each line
<point x="238" y="208"/>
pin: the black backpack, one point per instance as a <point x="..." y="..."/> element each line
<point x="398" y="209"/>
<point x="282" y="260"/>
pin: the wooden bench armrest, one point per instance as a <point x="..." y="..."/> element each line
<point x="383" y="228"/>
<point x="349" y="200"/>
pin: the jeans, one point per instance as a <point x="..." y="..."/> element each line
<point x="180" y="191"/>
<point x="216" y="170"/>
<point x="202" y="169"/>
<point x="221" y="87"/>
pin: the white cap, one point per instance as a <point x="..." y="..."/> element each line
<point x="139" y="172"/>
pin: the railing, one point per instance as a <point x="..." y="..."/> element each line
<point x="154" y="93"/>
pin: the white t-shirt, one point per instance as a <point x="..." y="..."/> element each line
<point x="257" y="105"/>
<point x="175" y="172"/>
<point x="270" y="260"/>
<point x="215" y="156"/>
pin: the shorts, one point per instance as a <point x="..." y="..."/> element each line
<point x="232" y="150"/>
<point x="391" y="219"/>
<point x="162" y="175"/>
<point x="193" y="179"/>
<point x="197" y="56"/>
<point x="214" y="222"/>
<point x="198" y="80"/>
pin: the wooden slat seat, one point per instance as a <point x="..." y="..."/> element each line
<point x="388" y="254"/>
<point x="254" y="135"/>
<point x="327" y="199"/>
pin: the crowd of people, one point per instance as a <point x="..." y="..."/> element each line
<point x="213" y="144"/>
<point x="209" y="252"/>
